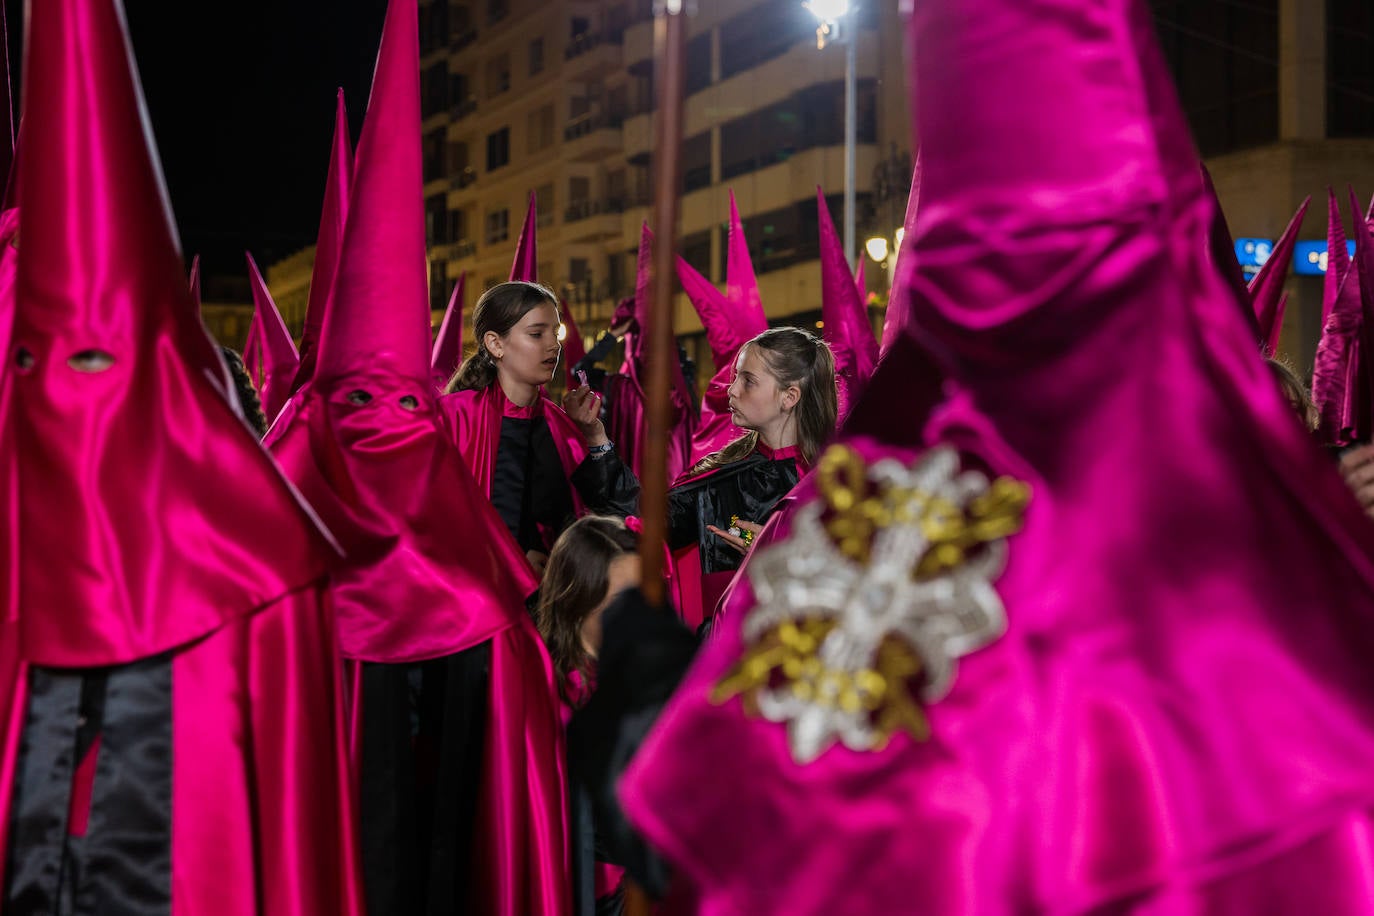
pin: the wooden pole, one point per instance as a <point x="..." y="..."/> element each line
<point x="669" y="51"/>
<point x="669" y="48"/>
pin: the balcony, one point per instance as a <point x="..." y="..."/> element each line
<point x="593" y="218"/>
<point x="591" y="136"/>
<point x="465" y="248"/>
<point x="462" y="109"/>
<point x="593" y="52"/>
<point x="464" y="179"/>
<point x="463" y="39"/>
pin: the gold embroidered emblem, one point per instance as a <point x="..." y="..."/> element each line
<point x="884" y="582"/>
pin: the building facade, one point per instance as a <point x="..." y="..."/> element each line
<point x="556" y="97"/>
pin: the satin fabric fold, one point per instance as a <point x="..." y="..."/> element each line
<point x="1266" y="289"/>
<point x="1338" y="368"/>
<point x="844" y="315"/>
<point x="1178" y="718"/>
<point x="275" y="362"/>
<point x="448" y="343"/>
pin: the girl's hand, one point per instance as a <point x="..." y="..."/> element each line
<point x="1357" y="467"/>
<point x="739" y="543"/>
<point x="538" y="559"/>
<point x="584" y="407"/>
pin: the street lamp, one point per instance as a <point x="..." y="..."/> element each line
<point x="829" y="14"/>
<point x="877" y="248"/>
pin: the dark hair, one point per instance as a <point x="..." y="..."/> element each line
<point x="1294" y="391"/>
<point x="575" y="582"/>
<point x="499" y="309"/>
<point x="793" y="357"/>
<point x="247" y="395"/>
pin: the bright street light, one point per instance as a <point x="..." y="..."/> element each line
<point x="828" y="10"/>
<point x="877" y="248"/>
<point x="830" y="13"/>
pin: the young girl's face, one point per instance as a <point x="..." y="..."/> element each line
<point x="528" y="354"/>
<point x="757" y="401"/>
<point x="623" y="573"/>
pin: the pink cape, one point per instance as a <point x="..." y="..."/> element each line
<point x="474" y="419"/>
<point x="1179" y="716"/>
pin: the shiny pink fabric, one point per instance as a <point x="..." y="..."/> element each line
<point x="627" y="415"/>
<point x="448" y="343"/>
<point x="525" y="265"/>
<point x="1337" y="256"/>
<point x="1338" y="368"/>
<point x="1361" y="405"/>
<point x="144" y="568"/>
<point x="277" y="360"/>
<point x="261" y="821"/>
<point x="328" y="243"/>
<point x="1221" y="247"/>
<point x="1180" y="716"/>
<point x="898" y="315"/>
<point x="430" y="568"/>
<point x="474" y="421"/>
<point x="1266" y="289"/>
<point x="844" y="315"/>
<point x="573" y="348"/>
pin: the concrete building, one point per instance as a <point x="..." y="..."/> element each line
<point x="556" y="97"/>
<point x="1280" y="95"/>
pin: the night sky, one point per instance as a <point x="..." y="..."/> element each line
<point x="241" y="97"/>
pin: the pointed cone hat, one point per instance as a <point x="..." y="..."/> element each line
<point x="278" y="353"/>
<point x="526" y="264"/>
<point x="844" y="318"/>
<point x="1361" y="403"/>
<point x="741" y="283"/>
<point x="573" y="348"/>
<point x="1337" y="255"/>
<point x="1221" y="246"/>
<point x="379" y="315"/>
<point x="328" y="243"/>
<point x="126" y="410"/>
<point x="1266" y="289"/>
<point x="898" y="315"/>
<point x="448" y="344"/>
<point x="193" y="280"/>
<point x="861" y="279"/>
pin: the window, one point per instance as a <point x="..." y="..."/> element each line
<point x="457" y="156"/>
<point x="767" y="31"/>
<point x="433" y="154"/>
<point x="434" y="89"/>
<point x="498" y="226"/>
<point x="696" y="161"/>
<point x="1349" y="68"/>
<point x="581" y="25"/>
<point x="539" y="131"/>
<point x="696" y="250"/>
<point x="536" y="56"/>
<point x="546" y="205"/>
<point x="498" y="149"/>
<point x="497" y="10"/>
<point x="458" y="226"/>
<point x="699" y="63"/>
<point x="436" y="219"/>
<point x="498" y="75"/>
<point x="438" y="284"/>
<point x="1223" y="59"/>
<point x="808" y="119"/>
<point x="579" y="270"/>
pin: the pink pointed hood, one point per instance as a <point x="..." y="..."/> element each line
<point x="843" y="314"/>
<point x="526" y="264"/>
<point x="379" y="314"/>
<point x="193" y="280"/>
<point x="329" y="242"/>
<point x="148" y="515"/>
<point x="275" y="360"/>
<point x="861" y="280"/>
<point x="573" y="348"/>
<point x="1337" y="255"/>
<point x="1095" y="735"/>
<point x="1221" y="246"/>
<point x="1266" y="289"/>
<point x="448" y="344"/>
<point x="898" y="315"/>
<point x="1361" y="404"/>
<point x="741" y="284"/>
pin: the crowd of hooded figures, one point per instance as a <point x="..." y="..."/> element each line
<point x="1057" y="596"/>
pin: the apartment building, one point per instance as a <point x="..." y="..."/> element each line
<point x="557" y="97"/>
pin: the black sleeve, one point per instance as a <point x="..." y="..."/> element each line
<point x="607" y="485"/>
<point x="604" y="344"/>
<point x="645" y="652"/>
<point x="683" y="524"/>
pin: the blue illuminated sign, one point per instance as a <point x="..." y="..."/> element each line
<point x="1253" y="252"/>
<point x="1309" y="258"/>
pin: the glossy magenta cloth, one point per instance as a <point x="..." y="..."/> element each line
<point x="627" y="416"/>
<point x="1221" y="247"/>
<point x="277" y="361"/>
<point x="328" y="243"/>
<point x="9" y="484"/>
<point x="844" y="315"/>
<point x="573" y="347"/>
<point x="141" y="483"/>
<point x="448" y="343"/>
<point x="729" y="326"/>
<point x="474" y="419"/>
<point x="525" y="265"/>
<point x="1179" y="717"/>
<point x="898" y="315"/>
<point x="1337" y="389"/>
<point x="1266" y="289"/>
<point x="430" y="568"/>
